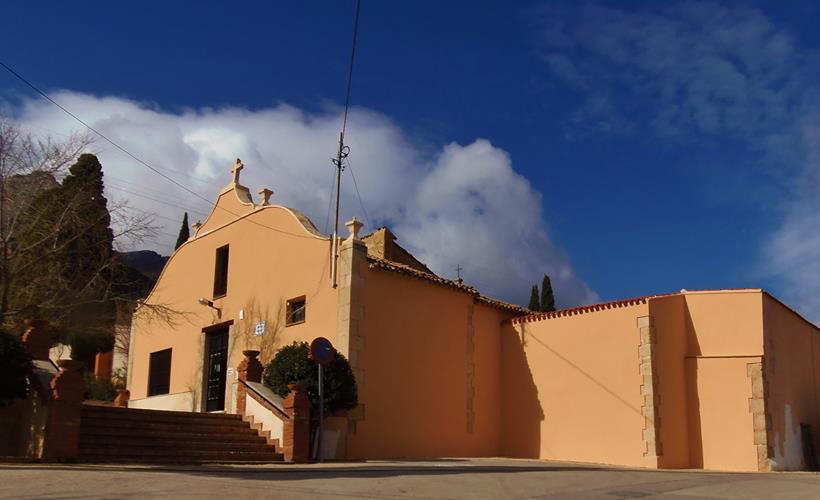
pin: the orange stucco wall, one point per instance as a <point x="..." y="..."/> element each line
<point x="572" y="388"/>
<point x="661" y="381"/>
<point x="721" y="431"/>
<point x="792" y="381"/>
<point x="266" y="268"/>
<point x="669" y="320"/>
<point x="724" y="335"/>
<point x="422" y="365"/>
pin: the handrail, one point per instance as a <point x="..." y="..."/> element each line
<point x="267" y="398"/>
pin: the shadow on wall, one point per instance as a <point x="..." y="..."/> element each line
<point x="588" y="376"/>
<point x="521" y="412"/>
<point x="692" y="397"/>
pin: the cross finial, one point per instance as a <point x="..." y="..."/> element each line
<point x="458" y="274"/>
<point x="237" y="167"/>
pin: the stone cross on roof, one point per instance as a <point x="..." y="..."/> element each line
<point x="237" y="167"/>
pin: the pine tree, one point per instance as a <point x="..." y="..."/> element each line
<point x="184" y="232"/>
<point x="547" y="296"/>
<point x="534" y="304"/>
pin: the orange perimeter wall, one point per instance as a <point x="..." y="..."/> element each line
<point x="724" y="337"/>
<point x="572" y="388"/>
<point x="432" y="372"/>
<point x="792" y="381"/>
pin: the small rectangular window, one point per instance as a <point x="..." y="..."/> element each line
<point x="221" y="272"/>
<point x="159" y="372"/>
<point x="295" y="311"/>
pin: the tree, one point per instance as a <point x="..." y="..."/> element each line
<point x="15" y="369"/>
<point x="28" y="166"/>
<point x="73" y="222"/>
<point x="534" y="304"/>
<point x="547" y="296"/>
<point x="56" y="242"/>
<point x="293" y="364"/>
<point x="184" y="232"/>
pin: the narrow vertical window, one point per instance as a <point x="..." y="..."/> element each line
<point x="221" y="272"/>
<point x="159" y="372"/>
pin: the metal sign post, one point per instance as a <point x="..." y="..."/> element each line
<point x="323" y="353"/>
<point x="321" y="413"/>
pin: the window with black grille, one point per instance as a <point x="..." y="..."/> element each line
<point x="159" y="372"/>
<point x="221" y="272"/>
<point x="295" y="311"/>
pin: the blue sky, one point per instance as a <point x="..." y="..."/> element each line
<point x="656" y="145"/>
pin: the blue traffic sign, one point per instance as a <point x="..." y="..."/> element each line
<point x="322" y="351"/>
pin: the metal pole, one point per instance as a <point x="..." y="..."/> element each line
<point x="338" y="162"/>
<point x="321" y="415"/>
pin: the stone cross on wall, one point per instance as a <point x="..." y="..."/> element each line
<point x="237" y="167"/>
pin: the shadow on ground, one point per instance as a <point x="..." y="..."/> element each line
<point x="328" y="471"/>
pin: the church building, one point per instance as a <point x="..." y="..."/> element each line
<point x="724" y="379"/>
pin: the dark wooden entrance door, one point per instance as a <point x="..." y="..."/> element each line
<point x="217" y="361"/>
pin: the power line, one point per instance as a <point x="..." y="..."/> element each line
<point x="103" y="136"/>
<point x="361" y="203"/>
<point x="343" y="151"/>
<point x="136" y="158"/>
<point x="145" y="191"/>
<point x="350" y="67"/>
<point x="157" y="200"/>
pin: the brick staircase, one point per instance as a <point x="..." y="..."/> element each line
<point x="112" y="434"/>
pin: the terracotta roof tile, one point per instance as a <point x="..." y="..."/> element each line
<point x="376" y="263"/>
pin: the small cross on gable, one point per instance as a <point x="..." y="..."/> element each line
<point x="237" y="168"/>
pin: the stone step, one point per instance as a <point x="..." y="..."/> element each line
<point x="239" y="441"/>
<point x="89" y="424"/>
<point x="170" y="448"/>
<point x="93" y="455"/>
<point x="167" y="416"/>
<point x="129" y="435"/>
<point x="115" y="434"/>
<point x="136" y="412"/>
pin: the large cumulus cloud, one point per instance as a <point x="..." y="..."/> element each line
<point x="461" y="205"/>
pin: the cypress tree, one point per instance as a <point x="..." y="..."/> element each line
<point x="75" y="274"/>
<point x="88" y="258"/>
<point x="534" y="304"/>
<point x="184" y="232"/>
<point x="547" y="296"/>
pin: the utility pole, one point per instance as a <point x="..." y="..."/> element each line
<point x="341" y="155"/>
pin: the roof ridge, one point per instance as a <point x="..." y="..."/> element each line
<point x="397" y="267"/>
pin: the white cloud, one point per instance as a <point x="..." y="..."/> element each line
<point x="464" y="205"/>
<point x="685" y="66"/>
<point x="689" y="70"/>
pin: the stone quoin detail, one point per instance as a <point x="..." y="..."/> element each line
<point x="649" y="387"/>
<point x="761" y="419"/>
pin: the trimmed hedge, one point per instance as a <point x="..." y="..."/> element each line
<point x="293" y="364"/>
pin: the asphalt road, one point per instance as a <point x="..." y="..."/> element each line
<point x="441" y="479"/>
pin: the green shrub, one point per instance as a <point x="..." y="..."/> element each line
<point x="15" y="369"/>
<point x="293" y="364"/>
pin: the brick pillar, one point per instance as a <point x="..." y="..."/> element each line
<point x="296" y="434"/>
<point x="37" y="339"/>
<point x="63" y="427"/>
<point x="123" y="395"/>
<point x="104" y="365"/>
<point x="249" y="370"/>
